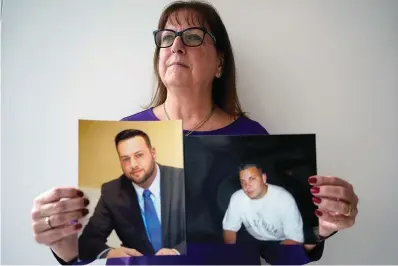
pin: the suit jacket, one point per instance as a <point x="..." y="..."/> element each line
<point x="118" y="209"/>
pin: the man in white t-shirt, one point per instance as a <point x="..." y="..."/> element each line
<point x="268" y="212"/>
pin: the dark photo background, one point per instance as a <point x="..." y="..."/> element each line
<point x="211" y="177"/>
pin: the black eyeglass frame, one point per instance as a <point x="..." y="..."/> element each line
<point x="179" y="33"/>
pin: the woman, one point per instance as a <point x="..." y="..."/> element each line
<point x="195" y="70"/>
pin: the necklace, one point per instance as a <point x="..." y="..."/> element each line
<point x="201" y="123"/>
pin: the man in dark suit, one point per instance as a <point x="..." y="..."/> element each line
<point x="145" y="205"/>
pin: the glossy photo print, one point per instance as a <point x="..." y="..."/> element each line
<point x="250" y="189"/>
<point x="133" y="176"/>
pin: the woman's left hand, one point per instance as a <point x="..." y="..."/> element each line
<point x="337" y="203"/>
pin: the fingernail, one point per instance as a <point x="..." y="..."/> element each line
<point x="85" y="212"/>
<point x="312" y="180"/>
<point x="318" y="213"/>
<point x="316" y="200"/>
<point x="78" y="226"/>
<point x="315" y="190"/>
<point x="80" y="193"/>
<point x="73" y="222"/>
<point x="86" y="202"/>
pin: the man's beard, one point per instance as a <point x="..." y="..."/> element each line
<point x="146" y="176"/>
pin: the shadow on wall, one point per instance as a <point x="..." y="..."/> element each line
<point x="93" y="194"/>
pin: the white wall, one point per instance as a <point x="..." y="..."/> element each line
<point x="328" y="67"/>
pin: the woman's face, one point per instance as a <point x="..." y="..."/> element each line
<point x="185" y="67"/>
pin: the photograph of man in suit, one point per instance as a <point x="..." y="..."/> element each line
<point x="268" y="212"/>
<point x="145" y="205"/>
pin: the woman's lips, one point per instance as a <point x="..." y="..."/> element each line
<point x="178" y="64"/>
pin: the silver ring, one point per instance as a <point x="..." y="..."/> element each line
<point x="48" y="223"/>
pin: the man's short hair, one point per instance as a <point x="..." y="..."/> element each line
<point x="131" y="133"/>
<point x="245" y="166"/>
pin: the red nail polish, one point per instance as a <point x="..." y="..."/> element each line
<point x="316" y="200"/>
<point x="312" y="180"/>
<point x="318" y="213"/>
<point x="315" y="190"/>
<point x="78" y="226"/>
<point x="80" y="193"/>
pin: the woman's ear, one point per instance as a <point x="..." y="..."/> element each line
<point x="220" y="65"/>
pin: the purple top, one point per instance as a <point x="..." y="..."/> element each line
<point x="241" y="126"/>
<point x="223" y="254"/>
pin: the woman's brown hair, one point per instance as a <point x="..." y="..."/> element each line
<point x="224" y="88"/>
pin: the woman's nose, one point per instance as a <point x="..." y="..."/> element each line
<point x="178" y="46"/>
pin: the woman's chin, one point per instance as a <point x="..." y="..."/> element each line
<point x="180" y="80"/>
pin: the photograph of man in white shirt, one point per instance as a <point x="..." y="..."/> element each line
<point x="268" y="212"/>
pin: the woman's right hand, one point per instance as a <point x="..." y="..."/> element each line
<point x="55" y="216"/>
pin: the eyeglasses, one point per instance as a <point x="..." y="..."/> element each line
<point x="191" y="37"/>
